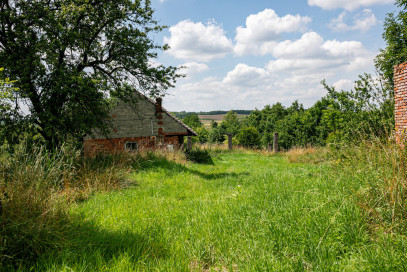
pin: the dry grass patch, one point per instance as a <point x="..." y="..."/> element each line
<point x="306" y="155"/>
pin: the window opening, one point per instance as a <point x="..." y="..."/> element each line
<point x="131" y="146"/>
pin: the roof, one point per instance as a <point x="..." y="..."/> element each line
<point x="190" y="130"/>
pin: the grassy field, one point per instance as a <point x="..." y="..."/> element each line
<point x="239" y="212"/>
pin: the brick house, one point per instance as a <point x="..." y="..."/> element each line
<point x="146" y="124"/>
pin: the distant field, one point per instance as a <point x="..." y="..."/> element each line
<point x="206" y="119"/>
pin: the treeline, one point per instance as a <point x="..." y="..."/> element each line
<point x="183" y="114"/>
<point x="339" y="117"/>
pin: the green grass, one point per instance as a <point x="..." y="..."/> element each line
<point x="244" y="212"/>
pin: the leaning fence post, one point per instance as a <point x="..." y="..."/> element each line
<point x="189" y="142"/>
<point x="270" y="147"/>
<point x="275" y="142"/>
<point x="230" y="141"/>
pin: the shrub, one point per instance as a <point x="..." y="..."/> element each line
<point x="249" y="137"/>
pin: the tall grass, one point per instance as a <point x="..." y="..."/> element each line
<point x="37" y="186"/>
<point x="376" y="171"/>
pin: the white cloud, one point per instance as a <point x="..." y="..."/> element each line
<point x="343" y="84"/>
<point x="266" y="26"/>
<point x="227" y="93"/>
<point x="362" y="21"/>
<point x="193" y="68"/>
<point x="347" y="4"/>
<point x="198" y="42"/>
<point x="294" y="73"/>
<point x="307" y="46"/>
<point x="244" y="75"/>
<point x="312" y="53"/>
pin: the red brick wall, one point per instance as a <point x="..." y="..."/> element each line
<point x="400" y="98"/>
<point x="111" y="146"/>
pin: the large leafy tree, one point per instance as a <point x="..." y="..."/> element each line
<point x="395" y="35"/>
<point x="69" y="56"/>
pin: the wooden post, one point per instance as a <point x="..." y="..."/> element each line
<point x="275" y="142"/>
<point x="270" y="147"/>
<point x="189" y="142"/>
<point x="230" y="145"/>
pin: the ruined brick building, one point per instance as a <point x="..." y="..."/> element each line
<point x="400" y="99"/>
<point x="146" y="124"/>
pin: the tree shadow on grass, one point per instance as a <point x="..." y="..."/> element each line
<point x="94" y="248"/>
<point x="175" y="168"/>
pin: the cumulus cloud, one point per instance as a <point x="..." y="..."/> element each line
<point x="266" y="26"/>
<point x="213" y="94"/>
<point x="244" y="75"/>
<point x="312" y="53"/>
<point x="294" y="73"/>
<point x="191" y="68"/>
<point x="362" y="21"/>
<point x="347" y="4"/>
<point x="197" y="41"/>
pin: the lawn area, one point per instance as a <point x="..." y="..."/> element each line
<point x="243" y="212"/>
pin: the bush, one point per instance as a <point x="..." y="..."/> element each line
<point x="203" y="135"/>
<point x="249" y="137"/>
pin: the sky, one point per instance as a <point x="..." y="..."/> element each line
<point x="249" y="54"/>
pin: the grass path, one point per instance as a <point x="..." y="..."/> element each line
<point x="244" y="212"/>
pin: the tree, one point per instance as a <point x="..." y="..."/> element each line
<point x="6" y="97"/>
<point x="231" y="122"/>
<point x="69" y="56"/>
<point x="193" y="121"/>
<point x="216" y="135"/>
<point x="395" y="35"/>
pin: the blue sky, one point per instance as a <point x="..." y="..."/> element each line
<point x="248" y="54"/>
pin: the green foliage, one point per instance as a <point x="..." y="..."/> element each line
<point x="249" y="137"/>
<point x="69" y="56"/>
<point x="395" y="36"/>
<point x="203" y="135"/>
<point x="217" y="135"/>
<point x="231" y="123"/>
<point x="341" y="116"/>
<point x="192" y="121"/>
<point x="366" y="111"/>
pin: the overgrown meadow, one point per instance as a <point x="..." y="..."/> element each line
<point x="210" y="209"/>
